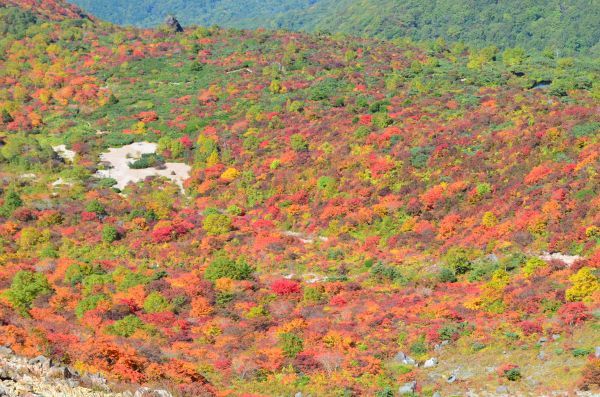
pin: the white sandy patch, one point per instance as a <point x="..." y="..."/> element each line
<point x="567" y="259"/>
<point x="118" y="160"/>
<point x="309" y="278"/>
<point x="64" y="153"/>
<point x="302" y="237"/>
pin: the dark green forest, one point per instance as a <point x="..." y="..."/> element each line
<point x="565" y="26"/>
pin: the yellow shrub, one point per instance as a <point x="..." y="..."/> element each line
<point x="585" y="284"/>
<point x="230" y="174"/>
<point x="489" y="219"/>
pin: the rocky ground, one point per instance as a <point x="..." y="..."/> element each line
<point x="22" y="377"/>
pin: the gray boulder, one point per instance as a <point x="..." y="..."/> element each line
<point x="408" y="388"/>
<point x="59" y="372"/>
<point x="404" y="359"/>
<point x="42" y="361"/>
<point x="432" y="362"/>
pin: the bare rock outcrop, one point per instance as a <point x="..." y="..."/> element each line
<point x="40" y="376"/>
<point x="173" y="24"/>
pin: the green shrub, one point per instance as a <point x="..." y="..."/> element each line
<point x="216" y="224"/>
<point x="447" y="275"/>
<point x="93" y="281"/>
<point x="581" y="352"/>
<point x="419" y="156"/>
<point x="156" y="303"/>
<point x="224" y="267"/>
<point x="96" y="207"/>
<point x="126" y="326"/>
<point x="298" y="143"/>
<point x="418" y="348"/>
<point x="313" y="294"/>
<point x="26" y="286"/>
<point x="457" y="259"/>
<point x="109" y="234"/>
<point x="383" y="272"/>
<point x="88" y="303"/>
<point x="327" y="185"/>
<point x="12" y="201"/>
<point x="586" y="129"/>
<point x="147" y="160"/>
<point x="532" y="265"/>
<point x="513" y="374"/>
<point x="291" y="344"/>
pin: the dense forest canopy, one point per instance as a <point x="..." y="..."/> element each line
<point x="566" y="26"/>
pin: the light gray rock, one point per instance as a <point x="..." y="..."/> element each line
<point x="59" y="372"/>
<point x="404" y="359"/>
<point x="451" y="379"/>
<point x="541" y="356"/>
<point x="407" y="388"/>
<point x="42" y="361"/>
<point x="555" y="336"/>
<point x="597" y="352"/>
<point x="432" y="362"/>
<point x="436" y="394"/>
<point x="5" y="351"/>
<point x="147" y="392"/>
<point x="502" y="389"/>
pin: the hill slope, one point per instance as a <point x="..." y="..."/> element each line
<point x="566" y="26"/>
<point x="354" y="208"/>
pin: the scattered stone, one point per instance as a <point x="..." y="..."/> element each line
<point x="541" y="356"/>
<point x="543" y="340"/>
<point x="502" y="389"/>
<point x="59" y="372"/>
<point x="41" y="361"/>
<point x="408" y="388"/>
<point x="436" y="394"/>
<point x="555" y="336"/>
<point x="439" y="346"/>
<point x="451" y="379"/>
<point x="147" y="392"/>
<point x="23" y="377"/>
<point x="64" y="153"/>
<point x="597" y="352"/>
<point x="404" y="359"/>
<point x="432" y="362"/>
<point x="5" y="351"/>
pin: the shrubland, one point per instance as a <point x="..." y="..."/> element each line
<point x="349" y="200"/>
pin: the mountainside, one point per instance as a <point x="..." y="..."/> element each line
<point x="566" y="26"/>
<point x="264" y="213"/>
<point x="49" y="9"/>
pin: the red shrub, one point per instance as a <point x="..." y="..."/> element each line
<point x="284" y="286"/>
<point x="573" y="313"/>
<point x="530" y="327"/>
